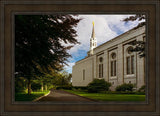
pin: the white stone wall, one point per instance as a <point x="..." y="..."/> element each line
<point x="120" y="64"/>
<point x="118" y="45"/>
<point x="140" y="66"/>
<point x="77" y="72"/>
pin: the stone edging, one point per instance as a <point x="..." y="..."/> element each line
<point x="41" y="96"/>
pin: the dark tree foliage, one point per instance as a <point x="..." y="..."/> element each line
<point x="38" y="43"/>
<point x="139" y="46"/>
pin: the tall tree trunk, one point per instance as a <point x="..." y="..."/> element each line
<point x="29" y="86"/>
<point x="42" y="86"/>
<point x="46" y="87"/>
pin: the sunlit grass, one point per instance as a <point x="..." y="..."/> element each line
<point x="109" y="96"/>
<point x="25" y="97"/>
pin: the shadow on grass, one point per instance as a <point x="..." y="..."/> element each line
<point x="31" y="97"/>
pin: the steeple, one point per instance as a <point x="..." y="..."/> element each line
<point x="93" y="41"/>
<point x="93" y="33"/>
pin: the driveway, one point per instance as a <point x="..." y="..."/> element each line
<point x="60" y="95"/>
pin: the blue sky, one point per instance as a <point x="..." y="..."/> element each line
<point x="106" y="27"/>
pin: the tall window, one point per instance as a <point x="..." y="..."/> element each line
<point x="130" y="62"/>
<point x="83" y="74"/>
<point x="113" y="64"/>
<point x="100" y="67"/>
<point x="128" y="65"/>
<point x="100" y="70"/>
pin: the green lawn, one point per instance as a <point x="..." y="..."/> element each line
<point x="109" y="96"/>
<point x="26" y="97"/>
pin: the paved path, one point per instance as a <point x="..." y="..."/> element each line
<point x="59" y="95"/>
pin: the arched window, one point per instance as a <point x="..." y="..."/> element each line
<point x="113" y="64"/>
<point x="130" y="61"/>
<point x="100" y="67"/>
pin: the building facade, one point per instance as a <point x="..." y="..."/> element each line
<point x="112" y="61"/>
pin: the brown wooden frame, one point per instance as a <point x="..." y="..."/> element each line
<point x="9" y="8"/>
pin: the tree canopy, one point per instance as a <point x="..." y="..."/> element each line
<point x="38" y="42"/>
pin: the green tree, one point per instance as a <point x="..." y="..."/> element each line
<point x="38" y="43"/>
<point x="60" y="80"/>
<point x="20" y="84"/>
<point x="139" y="46"/>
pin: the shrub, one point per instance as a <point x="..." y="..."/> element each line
<point x="125" y="87"/>
<point x="142" y="89"/>
<point x="67" y="87"/>
<point x="98" y="85"/>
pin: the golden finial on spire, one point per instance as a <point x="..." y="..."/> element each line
<point x="93" y="23"/>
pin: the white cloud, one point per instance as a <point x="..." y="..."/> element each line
<point x="69" y="67"/>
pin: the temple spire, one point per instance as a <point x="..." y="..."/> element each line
<point x="93" y="33"/>
<point x="93" y="41"/>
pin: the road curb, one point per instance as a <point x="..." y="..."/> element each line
<point x="41" y="97"/>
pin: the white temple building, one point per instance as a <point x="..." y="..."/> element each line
<point x="112" y="61"/>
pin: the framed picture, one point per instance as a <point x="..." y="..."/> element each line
<point x="120" y="58"/>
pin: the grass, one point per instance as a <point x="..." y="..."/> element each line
<point x="25" y="97"/>
<point x="109" y="96"/>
